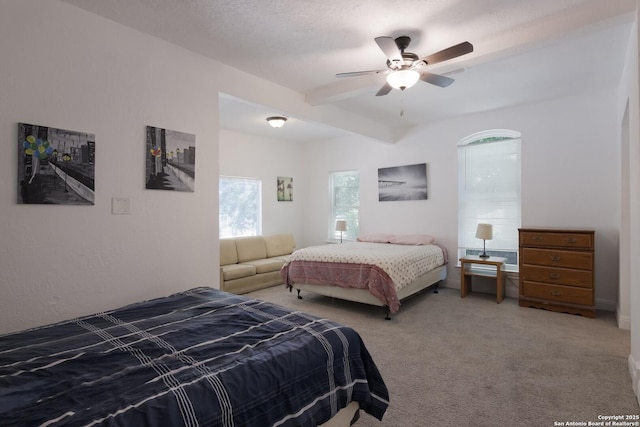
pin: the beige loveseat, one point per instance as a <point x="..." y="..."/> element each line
<point x="251" y="263"/>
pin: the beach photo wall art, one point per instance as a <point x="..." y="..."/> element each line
<point x="402" y="183"/>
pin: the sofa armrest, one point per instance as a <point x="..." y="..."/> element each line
<point x="228" y="252"/>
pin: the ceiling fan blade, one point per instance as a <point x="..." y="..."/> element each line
<point x="384" y="90"/>
<point x="360" y="73"/>
<point x="449" y="53"/>
<point x="390" y="49"/>
<point x="436" y="79"/>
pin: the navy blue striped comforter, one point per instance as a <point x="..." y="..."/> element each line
<point x="197" y="358"/>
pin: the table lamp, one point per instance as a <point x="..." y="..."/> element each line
<point x="484" y="232"/>
<point x="341" y="226"/>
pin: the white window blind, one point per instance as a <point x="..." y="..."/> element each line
<point x="489" y="192"/>
<point x="240" y="206"/>
<point x="344" y="189"/>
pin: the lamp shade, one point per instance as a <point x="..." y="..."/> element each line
<point x="276" y="121"/>
<point x="341" y="225"/>
<point x="484" y="231"/>
<point x="403" y="79"/>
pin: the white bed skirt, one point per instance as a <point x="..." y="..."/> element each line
<point x="364" y="296"/>
<point x="344" y="416"/>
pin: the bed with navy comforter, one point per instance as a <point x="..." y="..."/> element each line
<point x="201" y="357"/>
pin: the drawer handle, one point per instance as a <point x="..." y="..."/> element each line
<point x="572" y="240"/>
<point x="555" y="293"/>
<point x="537" y="238"/>
<point x="554" y="276"/>
<point x="555" y="258"/>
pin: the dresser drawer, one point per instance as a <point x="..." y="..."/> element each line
<point x="558" y="293"/>
<point x="557" y="258"/>
<point x="557" y="275"/>
<point x="556" y="240"/>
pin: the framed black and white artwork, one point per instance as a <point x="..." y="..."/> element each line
<point x="55" y="166"/>
<point x="171" y="160"/>
<point x="402" y="183"/>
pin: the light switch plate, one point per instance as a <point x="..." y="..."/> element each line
<point x="120" y="206"/>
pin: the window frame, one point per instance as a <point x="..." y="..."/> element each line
<point x="353" y="221"/>
<point x="464" y="248"/>
<point x="257" y="230"/>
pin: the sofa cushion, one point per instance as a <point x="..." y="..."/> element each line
<point x="228" y="254"/>
<point x="283" y="258"/>
<point x="279" y="244"/>
<point x="266" y="265"/>
<point x="253" y="283"/>
<point x="236" y="271"/>
<point x="250" y="248"/>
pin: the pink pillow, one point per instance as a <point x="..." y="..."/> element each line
<point x="413" y="239"/>
<point x="376" y="238"/>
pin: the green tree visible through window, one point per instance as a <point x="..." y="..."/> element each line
<point x="240" y="207"/>
<point x="345" y="203"/>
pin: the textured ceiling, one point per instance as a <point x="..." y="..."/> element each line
<point x="524" y="50"/>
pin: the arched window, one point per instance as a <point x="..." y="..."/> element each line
<point x="489" y="192"/>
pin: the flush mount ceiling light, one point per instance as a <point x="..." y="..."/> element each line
<point x="403" y="79"/>
<point x="276" y="121"/>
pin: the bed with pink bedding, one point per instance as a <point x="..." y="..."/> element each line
<point x="379" y="271"/>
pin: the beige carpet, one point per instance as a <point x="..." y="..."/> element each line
<point x="451" y="361"/>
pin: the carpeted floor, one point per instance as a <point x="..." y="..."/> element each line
<point x="451" y="361"/>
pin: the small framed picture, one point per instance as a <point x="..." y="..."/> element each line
<point x="285" y="189"/>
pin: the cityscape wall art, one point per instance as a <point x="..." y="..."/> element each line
<point x="55" y="166"/>
<point x="171" y="160"/>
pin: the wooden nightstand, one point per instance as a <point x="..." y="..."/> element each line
<point x="466" y="272"/>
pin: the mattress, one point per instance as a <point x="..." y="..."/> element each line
<point x="382" y="268"/>
<point x="199" y="357"/>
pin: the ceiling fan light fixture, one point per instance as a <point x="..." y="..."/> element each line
<point x="276" y="121"/>
<point x="403" y="79"/>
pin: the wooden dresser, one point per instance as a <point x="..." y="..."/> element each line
<point x="556" y="270"/>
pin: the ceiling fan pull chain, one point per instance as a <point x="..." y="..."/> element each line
<point x="402" y="105"/>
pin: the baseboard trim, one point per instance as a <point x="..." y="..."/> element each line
<point x="634" y="372"/>
<point x="624" y="322"/>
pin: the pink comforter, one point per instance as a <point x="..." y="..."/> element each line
<point x="346" y="275"/>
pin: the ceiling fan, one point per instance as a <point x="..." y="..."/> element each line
<point x="404" y="69"/>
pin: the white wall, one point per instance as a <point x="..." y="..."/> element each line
<point x="65" y="68"/>
<point x="365" y="156"/>
<point x="244" y="155"/>
<point x="628" y="119"/>
<point x="629" y="301"/>
<point x="570" y="177"/>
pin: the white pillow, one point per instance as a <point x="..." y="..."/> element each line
<point x="413" y="239"/>
<point x="376" y="238"/>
